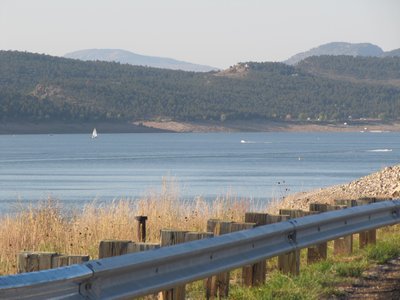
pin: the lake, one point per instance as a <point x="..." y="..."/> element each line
<point x="76" y="169"/>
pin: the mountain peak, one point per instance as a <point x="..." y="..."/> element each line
<point x="127" y="57"/>
<point x="338" y="48"/>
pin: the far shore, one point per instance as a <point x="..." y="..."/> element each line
<point x="205" y="126"/>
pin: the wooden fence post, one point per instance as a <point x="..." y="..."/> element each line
<point x="218" y="286"/>
<point x="67" y="260"/>
<point x="141" y="228"/>
<point x="108" y="248"/>
<point x="34" y="261"/>
<point x="344" y="245"/>
<point x="320" y="251"/>
<point x="38" y="261"/>
<point x="366" y="237"/>
<point x="289" y="263"/>
<point x="170" y="237"/>
<point x="254" y="275"/>
<point x="139" y="247"/>
<point x="249" y="272"/>
<point x="194" y="236"/>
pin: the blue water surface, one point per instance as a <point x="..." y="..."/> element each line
<point x="76" y="169"/>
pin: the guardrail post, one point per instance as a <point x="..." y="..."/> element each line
<point x="289" y="263"/>
<point x="139" y="247"/>
<point x="38" y="261"/>
<point x="218" y="286"/>
<point x="67" y="260"/>
<point x="251" y="271"/>
<point x="344" y="245"/>
<point x="108" y="248"/>
<point x="34" y="261"/>
<point x="320" y="251"/>
<point x="170" y="237"/>
<point x="367" y="237"/>
<point x="194" y="236"/>
<point x="255" y="275"/>
<point x="141" y="228"/>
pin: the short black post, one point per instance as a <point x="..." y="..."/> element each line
<point x="141" y="229"/>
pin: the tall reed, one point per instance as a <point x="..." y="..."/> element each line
<point x="49" y="227"/>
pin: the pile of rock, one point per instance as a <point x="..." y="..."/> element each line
<point x="382" y="184"/>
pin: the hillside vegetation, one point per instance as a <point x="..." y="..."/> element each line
<point x="40" y="88"/>
<point x="377" y="70"/>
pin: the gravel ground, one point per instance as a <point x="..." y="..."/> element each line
<point x="382" y="184"/>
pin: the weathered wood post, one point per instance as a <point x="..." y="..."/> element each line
<point x="169" y="237"/>
<point x="255" y="275"/>
<point x="194" y="236"/>
<point x="344" y="245"/>
<point x="38" y="261"/>
<point x="247" y="271"/>
<point x="290" y="262"/>
<point x="139" y="247"/>
<point x="108" y="248"/>
<point x="218" y="286"/>
<point x="67" y="260"/>
<point x="320" y="251"/>
<point x="141" y="228"/>
<point x="35" y="261"/>
<point x="366" y="237"/>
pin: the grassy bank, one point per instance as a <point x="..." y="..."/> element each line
<point x="326" y="279"/>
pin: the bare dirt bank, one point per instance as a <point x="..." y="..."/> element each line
<point x="269" y="126"/>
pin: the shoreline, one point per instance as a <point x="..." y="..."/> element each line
<point x="196" y="127"/>
<point x="384" y="184"/>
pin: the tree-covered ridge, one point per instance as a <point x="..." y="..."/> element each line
<point x="376" y="68"/>
<point x="39" y="87"/>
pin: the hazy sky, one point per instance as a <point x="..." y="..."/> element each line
<point x="213" y="32"/>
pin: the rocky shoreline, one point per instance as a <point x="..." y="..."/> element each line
<point x="382" y="184"/>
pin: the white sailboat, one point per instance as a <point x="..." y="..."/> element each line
<point x="94" y="133"/>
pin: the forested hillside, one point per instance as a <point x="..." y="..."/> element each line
<point x="369" y="68"/>
<point x="38" y="88"/>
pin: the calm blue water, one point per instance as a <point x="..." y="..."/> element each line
<point x="74" y="168"/>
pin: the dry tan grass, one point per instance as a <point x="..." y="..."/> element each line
<point x="48" y="227"/>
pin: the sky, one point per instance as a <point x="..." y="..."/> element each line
<point x="218" y="33"/>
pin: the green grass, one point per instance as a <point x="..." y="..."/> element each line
<point x="322" y="279"/>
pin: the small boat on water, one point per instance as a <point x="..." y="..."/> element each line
<point x="94" y="133"/>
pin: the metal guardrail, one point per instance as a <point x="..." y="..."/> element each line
<point x="143" y="273"/>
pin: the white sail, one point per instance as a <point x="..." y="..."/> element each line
<point x="94" y="134"/>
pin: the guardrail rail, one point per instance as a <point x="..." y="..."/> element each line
<point x="143" y="273"/>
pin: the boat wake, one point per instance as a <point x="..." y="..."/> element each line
<point x="253" y="142"/>
<point x="380" y="150"/>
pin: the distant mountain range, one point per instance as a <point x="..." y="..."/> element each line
<point x="127" y="57"/>
<point x="341" y="48"/>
